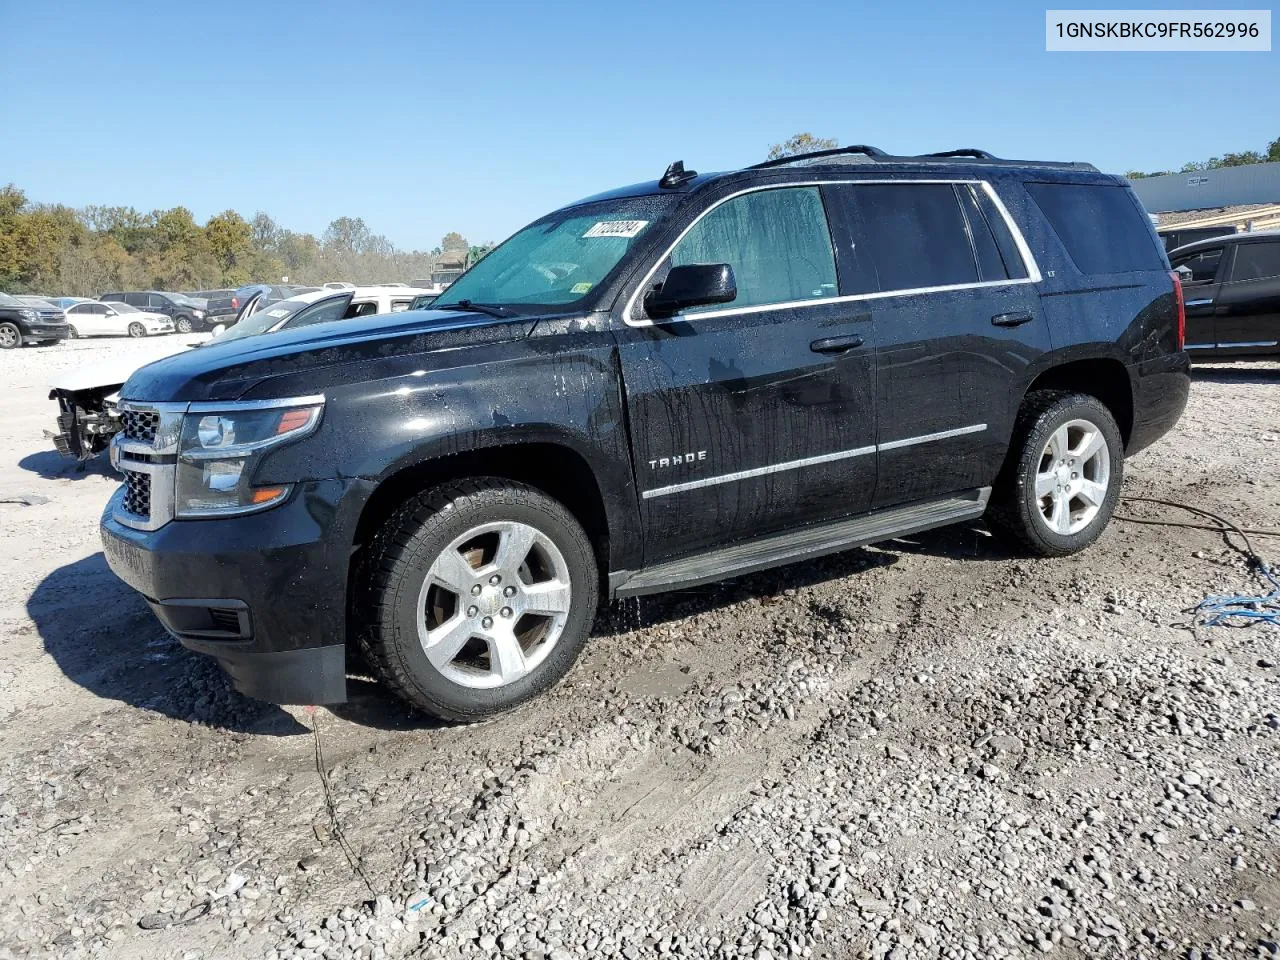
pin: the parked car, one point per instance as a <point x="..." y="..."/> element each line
<point x="316" y="306"/>
<point x="63" y="302"/>
<point x="87" y="413"/>
<point x="187" y="315"/>
<point x="339" y="285"/>
<point x="1232" y="289"/>
<point x="228" y="310"/>
<point x="29" y="323"/>
<point x="207" y="295"/>
<point x="669" y="384"/>
<point x="94" y="318"/>
<point x="1173" y="237"/>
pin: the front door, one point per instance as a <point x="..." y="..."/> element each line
<point x="1247" y="308"/>
<point x="756" y="415"/>
<point x="1199" y="293"/>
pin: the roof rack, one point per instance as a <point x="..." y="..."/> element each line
<point x="876" y="155"/>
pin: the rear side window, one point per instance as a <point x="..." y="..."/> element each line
<point x="1102" y="228"/>
<point x="997" y="253"/>
<point x="777" y="242"/>
<point x="916" y="234"/>
<point x="1256" y="261"/>
<point x="1203" y="265"/>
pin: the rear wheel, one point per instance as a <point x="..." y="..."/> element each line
<point x="1062" y="480"/>
<point x="10" y="336"/>
<point x="477" y="596"/>
<point x="137" y="330"/>
<point x="182" y="324"/>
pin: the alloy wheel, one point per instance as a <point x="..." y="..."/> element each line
<point x="9" y="336"/>
<point x="1073" y="477"/>
<point x="494" y="604"/>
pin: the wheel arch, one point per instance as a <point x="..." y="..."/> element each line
<point x="1105" y="378"/>
<point x="552" y="466"/>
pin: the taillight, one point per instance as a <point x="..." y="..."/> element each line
<point x="1182" y="308"/>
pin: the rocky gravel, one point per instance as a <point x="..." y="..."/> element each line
<point x="929" y="748"/>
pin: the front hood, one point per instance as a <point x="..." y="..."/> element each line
<point x="224" y="371"/>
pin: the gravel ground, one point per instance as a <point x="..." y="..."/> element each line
<point x="929" y="748"/>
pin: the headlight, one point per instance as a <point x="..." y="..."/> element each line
<point x="29" y="315"/>
<point x="219" y="450"/>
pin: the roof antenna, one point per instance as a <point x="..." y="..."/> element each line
<point x="676" y="175"/>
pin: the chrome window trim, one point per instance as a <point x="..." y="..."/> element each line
<point x="1019" y="241"/>
<point x="808" y="461"/>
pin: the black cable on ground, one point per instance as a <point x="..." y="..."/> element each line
<point x="346" y="847"/>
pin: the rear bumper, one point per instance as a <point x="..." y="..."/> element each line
<point x="265" y="594"/>
<point x="1160" y="390"/>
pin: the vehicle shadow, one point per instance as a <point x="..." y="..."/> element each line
<point x="960" y="542"/>
<point x="51" y="465"/>
<point x="103" y="636"/>
<point x="1245" y="373"/>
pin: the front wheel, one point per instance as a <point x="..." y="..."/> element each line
<point x="137" y="330"/>
<point x="10" y="336"/>
<point x="1061" y="482"/>
<point x="73" y="333"/>
<point x="477" y="596"/>
<point x="182" y="324"/>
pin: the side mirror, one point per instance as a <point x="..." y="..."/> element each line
<point x="219" y="330"/>
<point x="1184" y="272"/>
<point x="692" y="285"/>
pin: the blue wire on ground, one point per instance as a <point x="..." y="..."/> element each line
<point x="1232" y="610"/>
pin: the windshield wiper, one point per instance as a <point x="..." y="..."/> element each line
<point x="486" y="308"/>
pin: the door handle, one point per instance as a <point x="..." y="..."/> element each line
<point x="835" y="344"/>
<point x="1011" y="319"/>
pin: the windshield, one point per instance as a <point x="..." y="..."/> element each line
<point x="119" y="307"/>
<point x="559" y="259"/>
<point x="264" y="320"/>
<point x="9" y="301"/>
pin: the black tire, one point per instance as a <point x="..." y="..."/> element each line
<point x="1015" y="510"/>
<point x="72" y="333"/>
<point x="137" y="330"/>
<point x="10" y="336"/>
<point x="182" y="324"/>
<point x="392" y="577"/>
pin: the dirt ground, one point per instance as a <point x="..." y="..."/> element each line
<point x="926" y="748"/>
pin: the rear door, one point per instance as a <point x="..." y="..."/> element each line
<point x="957" y="322"/>
<point x="1247" y="307"/>
<point x="757" y="415"/>
<point x="1200" y="292"/>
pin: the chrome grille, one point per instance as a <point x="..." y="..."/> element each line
<point x="137" y="494"/>
<point x="140" y="425"/>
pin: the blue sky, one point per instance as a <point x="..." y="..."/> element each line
<point x="423" y="117"/>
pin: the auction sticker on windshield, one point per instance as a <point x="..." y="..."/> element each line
<point x="616" y="228"/>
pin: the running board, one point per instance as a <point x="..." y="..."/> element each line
<point x="803" y="544"/>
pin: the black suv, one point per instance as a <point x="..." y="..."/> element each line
<point x="670" y="384"/>
<point x="1232" y="289"/>
<point x="186" y="314"/>
<point x="37" y="322"/>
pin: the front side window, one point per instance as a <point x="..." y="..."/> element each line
<point x="322" y="312"/>
<point x="558" y="260"/>
<point x="777" y="242"/>
<point x="915" y="234"/>
<point x="1256" y="261"/>
<point x="1203" y="265"/>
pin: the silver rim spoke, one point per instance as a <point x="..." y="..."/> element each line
<point x="452" y="570"/>
<point x="445" y="641"/>
<point x="493" y="604"/>
<point x="507" y="656"/>
<point x="551" y="597"/>
<point x="1073" y="477"/>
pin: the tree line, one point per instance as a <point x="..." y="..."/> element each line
<point x="1241" y="159"/>
<point x="57" y="250"/>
